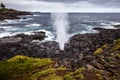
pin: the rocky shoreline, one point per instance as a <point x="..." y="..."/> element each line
<point x="32" y="45"/>
<point x="93" y="51"/>
<point x="11" y="14"/>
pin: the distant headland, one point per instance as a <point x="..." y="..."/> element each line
<point x="6" y="13"/>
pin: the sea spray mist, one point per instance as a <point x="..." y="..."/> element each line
<point x="61" y="25"/>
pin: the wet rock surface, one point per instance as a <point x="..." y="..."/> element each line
<point x="78" y="52"/>
<point x="29" y="45"/>
<point x="88" y="43"/>
<point x="80" y="46"/>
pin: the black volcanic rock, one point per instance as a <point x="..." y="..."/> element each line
<point x="88" y="43"/>
<point x="29" y="45"/>
<point x="80" y="48"/>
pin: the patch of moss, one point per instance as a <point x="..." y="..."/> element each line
<point x="80" y="76"/>
<point x="80" y="69"/>
<point x="68" y="77"/>
<point x="117" y="41"/>
<point x="19" y="59"/>
<point x="42" y="73"/>
<point x="75" y="75"/>
<point x="99" y="76"/>
<point x="98" y="51"/>
<point x="116" y="45"/>
<point x="53" y="77"/>
<point x="19" y="65"/>
<point x="61" y="68"/>
<point x="105" y="46"/>
<point x="6" y="70"/>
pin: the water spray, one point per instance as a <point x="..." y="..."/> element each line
<point x="61" y="25"/>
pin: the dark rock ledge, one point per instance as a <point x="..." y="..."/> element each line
<point x="80" y="44"/>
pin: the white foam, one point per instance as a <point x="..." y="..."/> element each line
<point x="35" y="15"/>
<point x="27" y="19"/>
<point x="6" y="27"/>
<point x="104" y="23"/>
<point x="11" y="21"/>
<point x="5" y="34"/>
<point x="3" y="22"/>
<point x="108" y="27"/>
<point x="115" y="23"/>
<point x="33" y="25"/>
<point x="50" y="35"/>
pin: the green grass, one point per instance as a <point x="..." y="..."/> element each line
<point x="76" y="74"/>
<point x="24" y="60"/>
<point x="42" y="73"/>
<point x="4" y="10"/>
<point x="19" y="65"/>
<point x="28" y="68"/>
<point x="68" y="77"/>
<point x="80" y="76"/>
<point x="99" y="76"/>
<point x="53" y="77"/>
<point x="116" y="45"/>
<point x="98" y="51"/>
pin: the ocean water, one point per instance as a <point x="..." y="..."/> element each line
<point x="78" y="23"/>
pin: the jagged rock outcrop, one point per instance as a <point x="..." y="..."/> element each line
<point x="87" y="43"/>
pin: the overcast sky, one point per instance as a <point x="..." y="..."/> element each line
<point x="64" y="5"/>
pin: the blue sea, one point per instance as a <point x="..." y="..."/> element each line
<point x="78" y="23"/>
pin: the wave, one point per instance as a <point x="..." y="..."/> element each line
<point x="33" y="25"/>
<point x="115" y="23"/>
<point x="50" y="35"/>
<point x="35" y="15"/>
<point x="27" y="19"/>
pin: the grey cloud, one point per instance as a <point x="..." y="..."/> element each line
<point x="70" y="5"/>
<point x="67" y="1"/>
<point x="97" y="2"/>
<point x="62" y="1"/>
